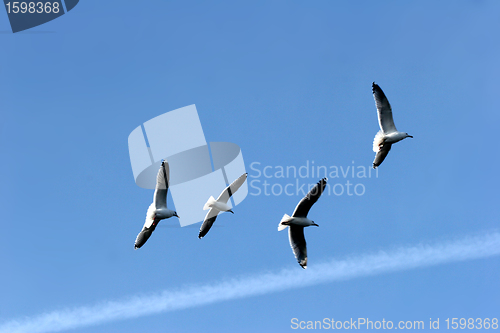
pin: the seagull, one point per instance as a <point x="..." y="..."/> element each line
<point x="388" y="133"/>
<point x="219" y="205"/>
<point x="158" y="209"/>
<point x="299" y="220"/>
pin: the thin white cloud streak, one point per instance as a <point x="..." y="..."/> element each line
<point x="334" y="270"/>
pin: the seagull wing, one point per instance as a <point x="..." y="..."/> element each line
<point x="381" y="154"/>
<point x="231" y="189"/>
<point x="384" y="110"/>
<point x="306" y="203"/>
<point x="208" y="222"/>
<point x="145" y="233"/>
<point x="160" y="196"/>
<point x="298" y="244"/>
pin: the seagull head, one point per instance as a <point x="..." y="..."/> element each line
<point x="175" y="214"/>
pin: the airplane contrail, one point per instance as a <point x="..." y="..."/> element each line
<point x="334" y="270"/>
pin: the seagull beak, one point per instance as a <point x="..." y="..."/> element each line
<point x="410" y="136"/>
<point x="315" y="224"/>
<point x="230" y="211"/>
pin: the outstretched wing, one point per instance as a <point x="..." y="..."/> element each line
<point x="381" y="154"/>
<point x="231" y="189"/>
<point x="208" y="222"/>
<point x="384" y="110"/>
<point x="306" y="203"/>
<point x="298" y="244"/>
<point x="145" y="233"/>
<point x="160" y="196"/>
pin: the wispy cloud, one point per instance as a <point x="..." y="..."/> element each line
<point x="334" y="270"/>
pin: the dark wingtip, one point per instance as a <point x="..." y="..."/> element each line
<point x="376" y="87"/>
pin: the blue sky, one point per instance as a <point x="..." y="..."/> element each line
<point x="290" y="83"/>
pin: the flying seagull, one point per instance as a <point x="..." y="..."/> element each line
<point x="299" y="220"/>
<point x="158" y="209"/>
<point x="219" y="205"/>
<point x="388" y="133"/>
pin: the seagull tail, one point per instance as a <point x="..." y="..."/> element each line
<point x="285" y="218"/>
<point x="378" y="140"/>
<point x="209" y="203"/>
